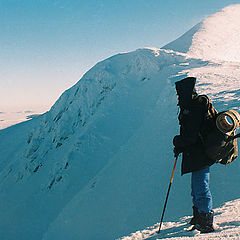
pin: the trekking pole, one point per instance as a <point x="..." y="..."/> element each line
<point x="169" y="187"/>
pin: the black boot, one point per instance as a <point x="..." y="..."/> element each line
<point x="195" y="216"/>
<point x="204" y="222"/>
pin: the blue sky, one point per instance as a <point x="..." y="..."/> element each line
<point x="47" y="45"/>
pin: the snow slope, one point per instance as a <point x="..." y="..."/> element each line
<point x="96" y="166"/>
<point x="227" y="226"/>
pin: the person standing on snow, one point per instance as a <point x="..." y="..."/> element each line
<point x="193" y="110"/>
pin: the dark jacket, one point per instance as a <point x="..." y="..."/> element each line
<point x="191" y="117"/>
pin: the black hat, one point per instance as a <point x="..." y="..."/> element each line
<point x="186" y="90"/>
<point x="185" y="86"/>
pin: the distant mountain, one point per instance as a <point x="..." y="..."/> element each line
<point x="96" y="165"/>
<point x="183" y="43"/>
<point x="217" y="37"/>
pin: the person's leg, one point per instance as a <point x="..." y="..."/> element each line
<point x="201" y="195"/>
<point x="195" y="209"/>
<point x="202" y="200"/>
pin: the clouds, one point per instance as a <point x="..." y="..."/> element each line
<point x="8" y="119"/>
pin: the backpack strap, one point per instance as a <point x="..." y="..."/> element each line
<point x="236" y="136"/>
<point x="211" y="112"/>
<point x="230" y="138"/>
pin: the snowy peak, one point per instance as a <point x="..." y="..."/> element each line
<point x="183" y="43"/>
<point x="216" y="38"/>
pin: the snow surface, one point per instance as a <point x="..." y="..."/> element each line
<point x="227" y="226"/>
<point x="96" y="165"/>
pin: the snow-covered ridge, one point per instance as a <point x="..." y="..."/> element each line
<point x="216" y="38"/>
<point x="77" y="108"/>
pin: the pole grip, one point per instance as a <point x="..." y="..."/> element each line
<point x="175" y="163"/>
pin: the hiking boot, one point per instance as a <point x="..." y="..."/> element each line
<point x="195" y="216"/>
<point x="204" y="222"/>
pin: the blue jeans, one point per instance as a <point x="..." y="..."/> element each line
<point x="201" y="195"/>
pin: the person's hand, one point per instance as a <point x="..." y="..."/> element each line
<point x="176" y="151"/>
<point x="177" y="141"/>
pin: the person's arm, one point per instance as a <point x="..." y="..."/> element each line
<point x="190" y="129"/>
